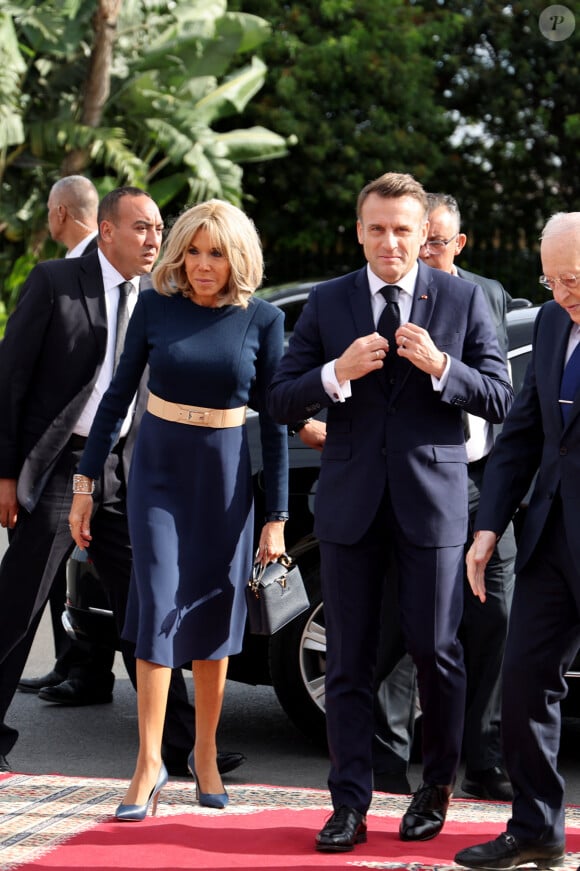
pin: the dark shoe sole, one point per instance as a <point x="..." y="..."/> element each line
<point x="75" y="703"/>
<point x="541" y="864"/>
<point x="342" y="848"/>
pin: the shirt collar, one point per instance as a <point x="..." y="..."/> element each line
<point x="112" y="277"/>
<point x="406" y="283"/>
<point x="80" y="248"/>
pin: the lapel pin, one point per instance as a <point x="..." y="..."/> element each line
<point x="423" y="296"/>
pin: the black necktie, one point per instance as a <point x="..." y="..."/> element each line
<point x="389" y="322"/>
<point x="123" y="316"/>
<point x="570" y="383"/>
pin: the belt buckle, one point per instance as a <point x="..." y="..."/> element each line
<point x="190" y="415"/>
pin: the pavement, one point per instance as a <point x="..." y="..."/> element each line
<point x="101" y="741"/>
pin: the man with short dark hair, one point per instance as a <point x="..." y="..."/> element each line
<point x="395" y="351"/>
<point x="483" y="628"/>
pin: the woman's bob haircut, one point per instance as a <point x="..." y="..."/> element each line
<point x="232" y="233"/>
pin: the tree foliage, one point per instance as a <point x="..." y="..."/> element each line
<point x="354" y="81"/>
<point x="471" y="98"/>
<point x="125" y="91"/>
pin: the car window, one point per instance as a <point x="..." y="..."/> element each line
<point x="519" y="359"/>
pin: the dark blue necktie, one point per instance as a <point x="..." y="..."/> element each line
<point x="389" y="322"/>
<point x="570" y="383"/>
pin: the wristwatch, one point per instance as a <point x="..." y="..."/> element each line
<point x="294" y="428"/>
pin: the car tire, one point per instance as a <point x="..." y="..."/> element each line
<point x="297" y="657"/>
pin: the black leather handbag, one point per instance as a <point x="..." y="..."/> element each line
<point x="275" y="595"/>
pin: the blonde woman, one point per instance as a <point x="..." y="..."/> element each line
<point x="212" y="348"/>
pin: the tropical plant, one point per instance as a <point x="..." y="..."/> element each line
<point x="125" y="91"/>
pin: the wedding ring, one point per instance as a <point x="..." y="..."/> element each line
<point x="377" y="354"/>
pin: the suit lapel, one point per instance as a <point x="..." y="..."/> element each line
<point x="40" y="461"/>
<point x="92" y="295"/>
<point x="360" y="303"/>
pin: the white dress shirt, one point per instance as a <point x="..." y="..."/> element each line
<point x="341" y="392"/>
<point x="111" y="281"/>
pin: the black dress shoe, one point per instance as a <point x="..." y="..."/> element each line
<point x="227" y="762"/>
<point x="75" y="692"/>
<point x="489" y="783"/>
<point x="34" y="684"/>
<point x="426" y="814"/>
<point x="506" y="853"/>
<point x="345" y="828"/>
<point x="176" y="761"/>
<point x="4" y="764"/>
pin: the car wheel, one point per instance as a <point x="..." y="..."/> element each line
<point x="298" y="665"/>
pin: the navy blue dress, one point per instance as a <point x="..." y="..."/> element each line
<point x="190" y="504"/>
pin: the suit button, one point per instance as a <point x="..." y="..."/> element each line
<point x="563" y="451"/>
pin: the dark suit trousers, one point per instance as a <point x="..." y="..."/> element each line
<point x="39" y="545"/>
<point x="431" y="600"/>
<point x="543" y="639"/>
<point x="483" y="635"/>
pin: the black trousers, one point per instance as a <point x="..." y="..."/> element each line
<point x="483" y="634"/>
<point x="543" y="639"/>
<point x="38" y="547"/>
<point x="89" y="662"/>
<point x="431" y="602"/>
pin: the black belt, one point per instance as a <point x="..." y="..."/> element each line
<point x="479" y="464"/>
<point x="77" y="442"/>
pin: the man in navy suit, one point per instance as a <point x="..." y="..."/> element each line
<point x="483" y="628"/>
<point x="541" y="436"/>
<point x="393" y="476"/>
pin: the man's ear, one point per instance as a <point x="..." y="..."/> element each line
<point x="460" y="243"/>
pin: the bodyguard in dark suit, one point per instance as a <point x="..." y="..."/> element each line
<point x="82" y="673"/>
<point x="541" y="436"/>
<point x="56" y="359"/>
<point x="393" y="475"/>
<point x="483" y="629"/>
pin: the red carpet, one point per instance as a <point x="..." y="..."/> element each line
<point x="63" y="823"/>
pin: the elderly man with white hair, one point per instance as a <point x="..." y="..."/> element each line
<point x="541" y="435"/>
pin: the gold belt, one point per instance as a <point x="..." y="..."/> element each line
<point x="195" y="415"/>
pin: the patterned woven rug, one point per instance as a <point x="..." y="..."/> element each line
<point x="56" y="822"/>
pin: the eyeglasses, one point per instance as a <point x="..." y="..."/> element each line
<point x="567" y="279"/>
<point x="438" y="244"/>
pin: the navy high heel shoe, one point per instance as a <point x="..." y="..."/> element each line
<point x="207" y="799"/>
<point x="135" y="813"/>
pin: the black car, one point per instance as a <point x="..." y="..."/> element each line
<point x="293" y="660"/>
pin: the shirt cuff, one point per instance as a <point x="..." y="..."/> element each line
<point x="439" y="383"/>
<point x="337" y="392"/>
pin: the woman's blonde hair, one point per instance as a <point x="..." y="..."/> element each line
<point x="232" y="233"/>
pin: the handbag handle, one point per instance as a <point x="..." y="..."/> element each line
<point x="258" y="571"/>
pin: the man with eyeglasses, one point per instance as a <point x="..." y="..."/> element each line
<point x="541" y="440"/>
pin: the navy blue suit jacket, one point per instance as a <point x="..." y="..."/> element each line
<point x="410" y="437"/>
<point x="534" y="439"/>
